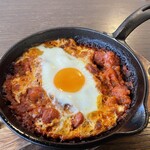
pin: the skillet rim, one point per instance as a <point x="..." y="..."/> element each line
<point x="51" y="143"/>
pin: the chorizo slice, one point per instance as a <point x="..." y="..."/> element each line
<point x="111" y="59"/>
<point x="106" y="59"/>
<point x="50" y="114"/>
<point x="35" y="93"/>
<point x="99" y="58"/>
<point x="92" y="68"/>
<point x="77" y="119"/>
<point x="122" y="93"/>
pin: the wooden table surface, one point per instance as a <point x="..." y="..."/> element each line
<point x="19" y="19"/>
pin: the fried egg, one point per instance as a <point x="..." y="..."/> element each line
<point x="65" y="78"/>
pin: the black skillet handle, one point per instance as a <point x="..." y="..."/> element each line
<point x="140" y="119"/>
<point x="131" y="22"/>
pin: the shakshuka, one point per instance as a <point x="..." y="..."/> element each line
<point x="64" y="90"/>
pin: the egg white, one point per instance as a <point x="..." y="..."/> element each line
<point x="55" y="59"/>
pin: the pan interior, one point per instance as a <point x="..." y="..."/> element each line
<point x="82" y="36"/>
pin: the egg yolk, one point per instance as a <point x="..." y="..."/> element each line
<point x="69" y="80"/>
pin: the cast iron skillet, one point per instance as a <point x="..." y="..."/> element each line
<point x="137" y="116"/>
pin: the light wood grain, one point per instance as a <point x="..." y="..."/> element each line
<point x="19" y="19"/>
<point x="10" y="141"/>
